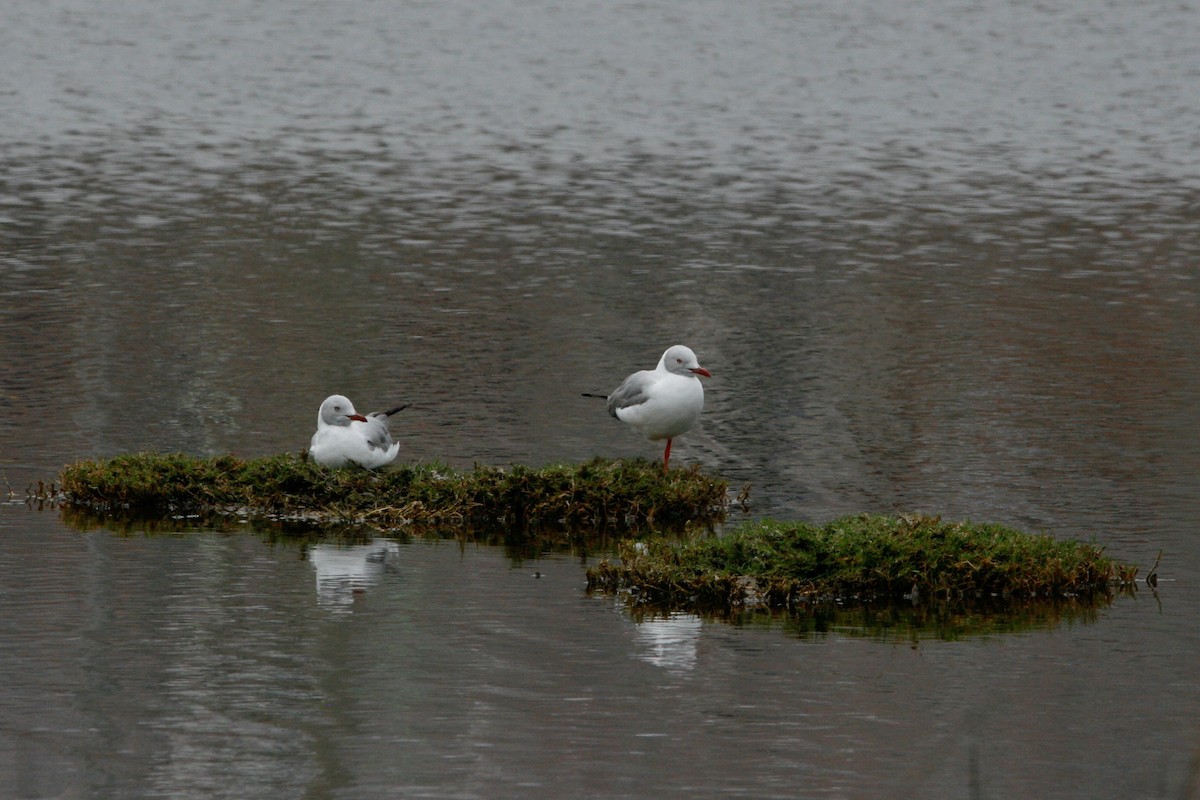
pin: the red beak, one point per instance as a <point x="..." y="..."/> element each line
<point x="358" y="417"/>
<point x="701" y="371"/>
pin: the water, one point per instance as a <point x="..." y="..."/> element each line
<point x="221" y="666"/>
<point x="939" y="257"/>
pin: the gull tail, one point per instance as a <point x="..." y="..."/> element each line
<point x="394" y="410"/>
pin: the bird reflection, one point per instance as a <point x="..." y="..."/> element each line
<point x="346" y="571"/>
<point x="669" y="642"/>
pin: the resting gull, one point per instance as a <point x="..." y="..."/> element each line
<point x="343" y="435"/>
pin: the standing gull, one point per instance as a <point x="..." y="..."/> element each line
<point x="664" y="402"/>
<point x="345" y="435"/>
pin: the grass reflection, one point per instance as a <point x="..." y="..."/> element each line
<point x="945" y="621"/>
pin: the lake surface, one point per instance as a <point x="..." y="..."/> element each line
<point x="939" y="257"/>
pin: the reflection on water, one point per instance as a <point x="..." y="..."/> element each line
<point x="669" y="641"/>
<point x="899" y="623"/>
<point x="669" y="638"/>
<point x="198" y="664"/>
<point x="347" y="571"/>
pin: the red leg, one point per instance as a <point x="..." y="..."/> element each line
<point x="667" y="456"/>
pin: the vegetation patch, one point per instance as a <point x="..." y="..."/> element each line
<point x="599" y="494"/>
<point x="861" y="560"/>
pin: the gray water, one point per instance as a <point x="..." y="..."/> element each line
<point x="939" y="257"/>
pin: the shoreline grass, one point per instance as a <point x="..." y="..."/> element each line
<point x="767" y="565"/>
<point x="600" y="493"/>
<point x="858" y="560"/>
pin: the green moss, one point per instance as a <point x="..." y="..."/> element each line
<point x="864" y="559"/>
<point x="597" y="494"/>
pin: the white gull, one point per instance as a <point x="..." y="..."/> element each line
<point x="664" y="402"/>
<point x="343" y="435"/>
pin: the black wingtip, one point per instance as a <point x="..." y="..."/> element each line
<point x="601" y="396"/>
<point x="396" y="409"/>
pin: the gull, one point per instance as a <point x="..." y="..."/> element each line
<point x="664" y="402"/>
<point x="345" y="435"/>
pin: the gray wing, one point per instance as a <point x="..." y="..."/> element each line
<point x="631" y="392"/>
<point x="377" y="433"/>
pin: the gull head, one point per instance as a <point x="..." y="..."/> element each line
<point x="338" y="410"/>
<point x="682" y="361"/>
